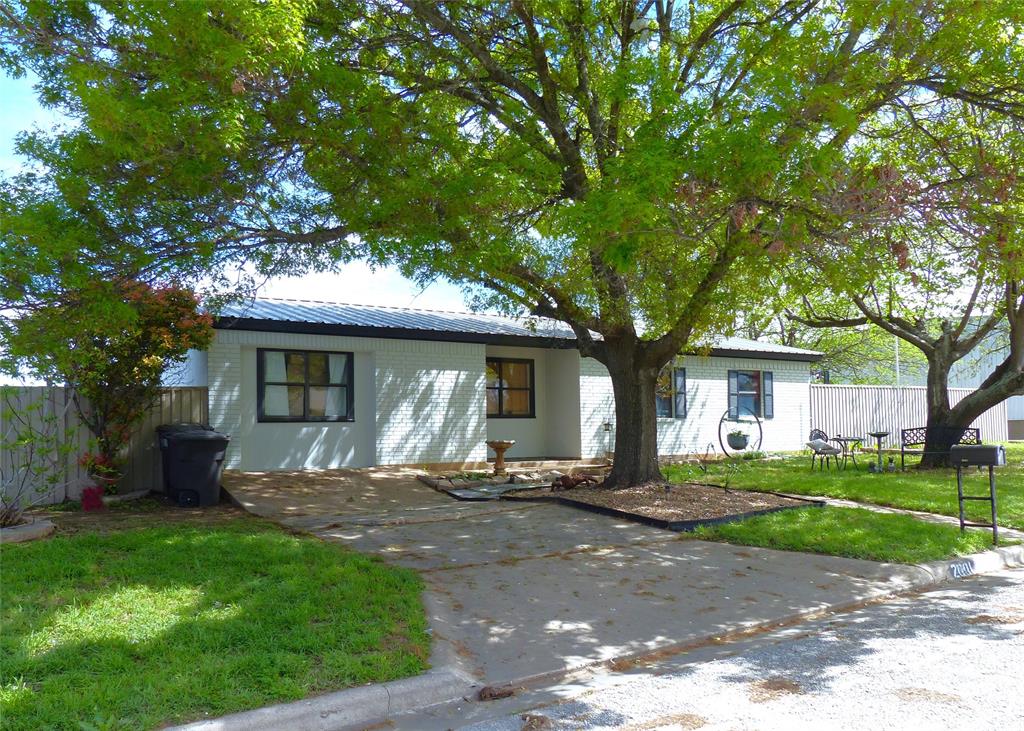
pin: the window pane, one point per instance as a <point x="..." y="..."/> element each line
<point x="663" y="405"/>
<point x="273" y="365"/>
<point x="749" y="404"/>
<point x="516" y="402"/>
<point x="493" y="369"/>
<point x="663" y="386"/>
<point x="492" y="402"/>
<point x="748" y="380"/>
<point x="295" y="367"/>
<point x="283" y="400"/>
<point x="329" y="402"/>
<point x="339" y="368"/>
<point x="515" y="375"/>
<point x="318" y="368"/>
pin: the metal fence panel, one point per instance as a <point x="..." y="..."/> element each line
<point x="857" y="410"/>
<point x="142" y="456"/>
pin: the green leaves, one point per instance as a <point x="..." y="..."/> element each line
<point x="582" y="156"/>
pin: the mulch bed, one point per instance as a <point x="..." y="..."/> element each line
<point x="673" y="506"/>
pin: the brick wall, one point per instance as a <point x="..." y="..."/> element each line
<point x="415" y="402"/>
<point x="423" y="402"/>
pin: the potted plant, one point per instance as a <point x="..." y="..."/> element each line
<point x="737" y="439"/>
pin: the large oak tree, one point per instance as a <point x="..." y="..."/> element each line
<point x="630" y="168"/>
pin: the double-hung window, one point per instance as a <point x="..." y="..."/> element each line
<point x="751" y="393"/>
<point x="304" y="385"/>
<point x="510" y="392"/>
<point x="670" y="393"/>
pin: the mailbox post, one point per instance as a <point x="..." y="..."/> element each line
<point x="978" y="455"/>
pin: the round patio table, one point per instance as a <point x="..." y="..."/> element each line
<point x="847" y="444"/>
<point x="879" y="436"/>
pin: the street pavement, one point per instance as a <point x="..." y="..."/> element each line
<point x="948" y="658"/>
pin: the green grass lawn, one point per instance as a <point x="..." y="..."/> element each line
<point x="931" y="491"/>
<point x="851" y="532"/>
<point x="134" y="628"/>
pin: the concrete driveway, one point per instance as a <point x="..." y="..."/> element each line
<point x="520" y="591"/>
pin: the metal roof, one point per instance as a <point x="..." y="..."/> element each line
<point x="745" y="345"/>
<point x="333" y="318"/>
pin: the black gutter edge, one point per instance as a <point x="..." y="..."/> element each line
<point x="443" y="336"/>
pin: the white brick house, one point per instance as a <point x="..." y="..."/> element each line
<point x="304" y="385"/>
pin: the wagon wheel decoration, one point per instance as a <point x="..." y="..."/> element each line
<point x="752" y="432"/>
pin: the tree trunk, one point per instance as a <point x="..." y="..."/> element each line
<point x="636" y="424"/>
<point x="941" y="428"/>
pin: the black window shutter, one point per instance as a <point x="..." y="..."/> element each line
<point x="679" y="386"/>
<point x="769" y="396"/>
<point x="734" y="396"/>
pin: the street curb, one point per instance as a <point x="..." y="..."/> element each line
<point x="1005" y="557"/>
<point x="346" y="709"/>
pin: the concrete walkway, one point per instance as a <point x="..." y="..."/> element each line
<point x="524" y="591"/>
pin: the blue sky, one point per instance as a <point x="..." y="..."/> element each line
<point x="357" y="283"/>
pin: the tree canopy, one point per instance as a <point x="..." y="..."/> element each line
<point x="631" y="168"/>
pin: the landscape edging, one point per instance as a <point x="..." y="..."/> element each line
<point x="27" y="531"/>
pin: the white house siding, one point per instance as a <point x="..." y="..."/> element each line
<point x="415" y="402"/>
<point x="707" y="400"/>
<point x="563" y="387"/>
<point x="597" y="407"/>
<point x="430" y="402"/>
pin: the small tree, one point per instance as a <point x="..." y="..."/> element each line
<point x="109" y="343"/>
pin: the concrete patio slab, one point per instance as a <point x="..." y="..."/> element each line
<point x="330" y="492"/>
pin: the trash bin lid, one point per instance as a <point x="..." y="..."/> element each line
<point x="195" y="435"/>
<point x="182" y="427"/>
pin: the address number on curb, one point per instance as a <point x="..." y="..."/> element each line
<point x="960" y="569"/>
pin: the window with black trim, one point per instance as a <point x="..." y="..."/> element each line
<point x="670" y="393"/>
<point x="751" y="392"/>
<point x="304" y="385"/>
<point x="510" y="388"/>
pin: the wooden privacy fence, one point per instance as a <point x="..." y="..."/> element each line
<point x="142" y="464"/>
<point x="856" y="410"/>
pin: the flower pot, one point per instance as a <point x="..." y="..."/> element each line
<point x="737" y="441"/>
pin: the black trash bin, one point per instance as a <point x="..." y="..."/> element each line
<point x="164" y="432"/>
<point x="193" y="456"/>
